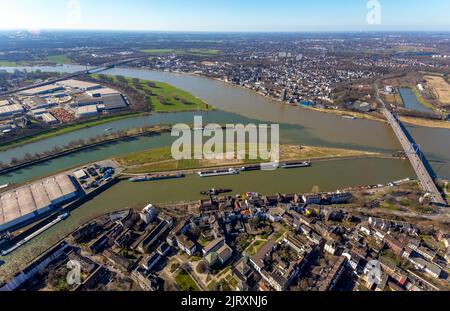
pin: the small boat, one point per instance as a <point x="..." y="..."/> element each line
<point x="214" y="191"/>
<point x="4" y="186"/>
<point x="108" y="129"/>
<point x="349" y="117"/>
<point x="64" y="216"/>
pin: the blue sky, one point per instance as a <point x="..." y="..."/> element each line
<point x="223" y="15"/>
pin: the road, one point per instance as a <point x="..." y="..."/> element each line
<point x="424" y="176"/>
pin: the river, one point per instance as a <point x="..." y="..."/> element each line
<point x="236" y="105"/>
<point x="299" y="125"/>
<point x="329" y="176"/>
<point x="410" y="100"/>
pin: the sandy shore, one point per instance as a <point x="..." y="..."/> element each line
<point x="426" y="122"/>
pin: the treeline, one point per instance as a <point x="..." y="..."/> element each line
<point x="420" y="114"/>
<point x="81" y="143"/>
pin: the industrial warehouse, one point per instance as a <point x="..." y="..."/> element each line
<point x="35" y="200"/>
<point x="59" y="103"/>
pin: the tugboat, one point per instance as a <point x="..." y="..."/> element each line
<point x="64" y="216"/>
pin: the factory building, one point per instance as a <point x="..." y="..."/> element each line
<point x="4" y="103"/>
<point x="85" y="100"/>
<point x="37" y="102"/>
<point x="79" y="85"/>
<point x="48" y="118"/>
<point x="103" y="92"/>
<point x="33" y="201"/>
<point x="11" y="110"/>
<point x="114" y="102"/>
<point x="47" y="89"/>
<point x="87" y="111"/>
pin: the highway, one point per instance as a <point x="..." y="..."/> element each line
<point x="424" y="176"/>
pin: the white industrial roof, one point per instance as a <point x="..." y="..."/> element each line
<point x="75" y="84"/>
<point x="103" y="92"/>
<point x="34" y="197"/>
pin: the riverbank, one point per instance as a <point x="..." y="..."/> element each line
<point x="324" y="176"/>
<point x="134" y="133"/>
<point x="54" y="132"/>
<point x="160" y="160"/>
<point x="358" y="115"/>
<point x="426" y="122"/>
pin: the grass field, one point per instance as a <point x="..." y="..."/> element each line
<point x="163" y="97"/>
<point x="59" y="59"/>
<point x="441" y="88"/>
<point x="159" y="51"/>
<point x="186" y="283"/>
<point x="422" y="100"/>
<point x="203" y="52"/>
<point x="5" y="63"/>
<point x="62" y="130"/>
<point x="194" y="52"/>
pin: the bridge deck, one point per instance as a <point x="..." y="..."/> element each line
<point x="425" y="179"/>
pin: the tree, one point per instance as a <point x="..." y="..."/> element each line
<point x="202" y="267"/>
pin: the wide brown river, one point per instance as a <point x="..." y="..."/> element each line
<point x="236" y="105"/>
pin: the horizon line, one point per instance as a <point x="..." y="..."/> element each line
<point x="224" y="31"/>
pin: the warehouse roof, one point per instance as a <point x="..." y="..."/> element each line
<point x="81" y="85"/>
<point x="103" y="92"/>
<point x="114" y="102"/>
<point x="87" y="109"/>
<point x="11" y="109"/>
<point x="33" y="198"/>
<point x="42" y="89"/>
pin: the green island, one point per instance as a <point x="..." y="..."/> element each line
<point x="161" y="97"/>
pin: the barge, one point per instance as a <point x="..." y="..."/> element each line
<point x="216" y="173"/>
<point x="156" y="177"/>
<point x="32" y="236"/>
<point x="297" y="164"/>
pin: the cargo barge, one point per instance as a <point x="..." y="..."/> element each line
<point x="156" y="177"/>
<point x="32" y="236"/>
<point x="297" y="164"/>
<point x="216" y="173"/>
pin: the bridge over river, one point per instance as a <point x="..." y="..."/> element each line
<point x="414" y="154"/>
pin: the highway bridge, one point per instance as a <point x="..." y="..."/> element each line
<point x="414" y="154"/>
